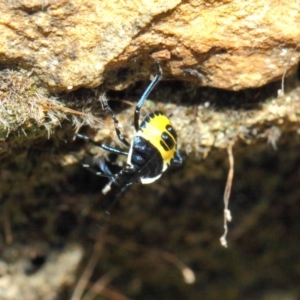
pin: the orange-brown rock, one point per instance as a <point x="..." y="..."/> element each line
<point x="225" y="44"/>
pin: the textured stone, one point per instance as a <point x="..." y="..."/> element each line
<point x="69" y="44"/>
<point x="225" y="44"/>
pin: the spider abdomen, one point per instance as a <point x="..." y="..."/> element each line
<point x="153" y="147"/>
<point x="158" y="130"/>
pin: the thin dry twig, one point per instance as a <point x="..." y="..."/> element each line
<point x="7" y="225"/>
<point x="187" y="273"/>
<point x="281" y="91"/>
<point x="227" y="213"/>
<point x="86" y="274"/>
<point x="113" y="295"/>
<point x="100" y="285"/>
<point x="50" y="106"/>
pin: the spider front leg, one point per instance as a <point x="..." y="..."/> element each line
<point x="148" y="90"/>
<point x="100" y="169"/>
<point x="101" y="145"/>
<point x="116" y="123"/>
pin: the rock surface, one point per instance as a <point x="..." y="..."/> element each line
<point x="224" y="44"/>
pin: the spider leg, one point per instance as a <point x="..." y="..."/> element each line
<point x="148" y="90"/>
<point x="101" y="145"/>
<point x="103" y="171"/>
<point x="113" y="204"/>
<point x="97" y="172"/>
<point x="177" y="161"/>
<point x="117" y="197"/>
<point x="116" y="123"/>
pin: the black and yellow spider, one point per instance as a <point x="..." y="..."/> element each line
<point x="152" y="150"/>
